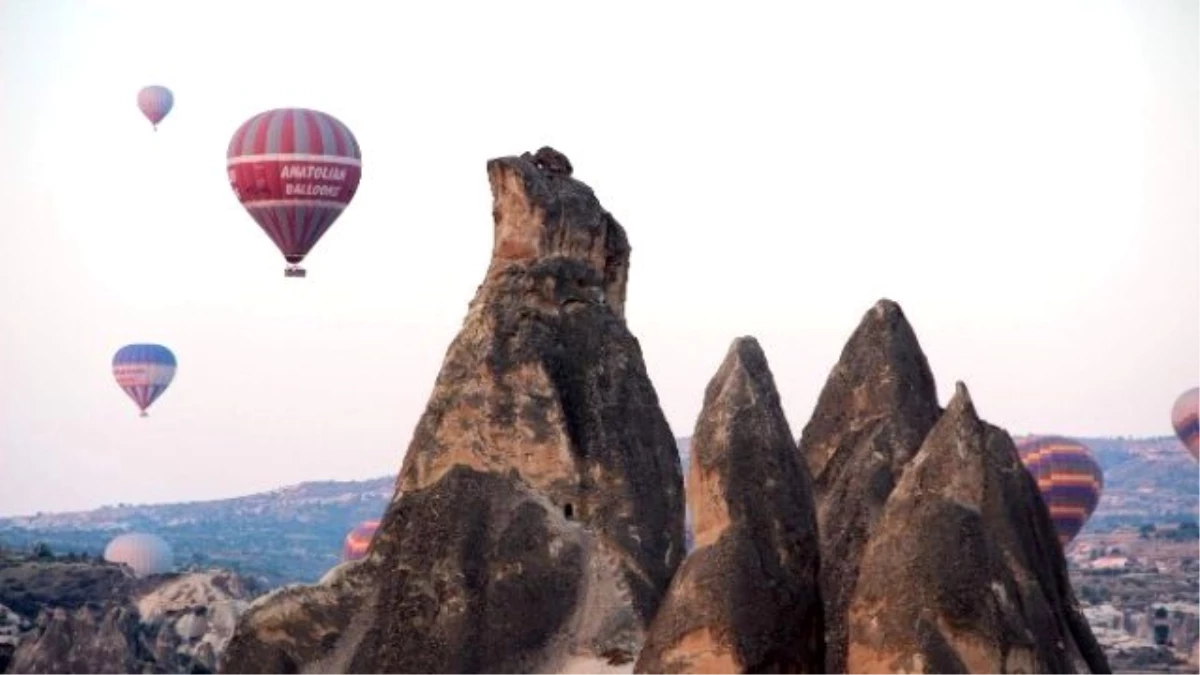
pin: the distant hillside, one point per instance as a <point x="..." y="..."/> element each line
<point x="1145" y="479"/>
<point x="295" y="533"/>
<point x="285" y="535"/>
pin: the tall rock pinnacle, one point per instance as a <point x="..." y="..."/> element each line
<point x="746" y="598"/>
<point x="963" y="573"/>
<point x="878" y="404"/>
<point x="538" y="517"/>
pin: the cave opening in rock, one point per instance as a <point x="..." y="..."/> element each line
<point x="568" y="511"/>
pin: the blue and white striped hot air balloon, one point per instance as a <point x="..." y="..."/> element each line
<point x="144" y="371"/>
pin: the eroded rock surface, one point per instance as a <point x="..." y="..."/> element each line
<point x="88" y="639"/>
<point x="878" y="404"/>
<point x="192" y="616"/>
<point x="91" y="616"/>
<point x="963" y="572"/>
<point x="538" y="517"/>
<point x="746" y="599"/>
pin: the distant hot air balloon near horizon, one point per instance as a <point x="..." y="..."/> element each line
<point x="1185" y="418"/>
<point x="359" y="540"/>
<point x="295" y="170"/>
<point x="1068" y="478"/>
<point x="144" y="371"/>
<point x="155" y="102"/>
<point x="146" y="554"/>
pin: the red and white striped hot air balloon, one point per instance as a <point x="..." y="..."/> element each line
<point x="295" y="170"/>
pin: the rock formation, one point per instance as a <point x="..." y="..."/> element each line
<point x="192" y="617"/>
<point x="88" y="639"/>
<point x="96" y="617"/>
<point x="877" y="406"/>
<point x="538" y="517"/>
<point x="746" y="598"/>
<point x="29" y="585"/>
<point x="963" y="572"/>
<point x="890" y="525"/>
<point x="12" y="625"/>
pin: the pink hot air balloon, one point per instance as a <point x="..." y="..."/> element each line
<point x="295" y="170"/>
<point x="155" y="102"/>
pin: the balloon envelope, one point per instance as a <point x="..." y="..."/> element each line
<point x="294" y="170"/>
<point x="359" y="540"/>
<point x="1068" y="478"/>
<point x="144" y="371"/>
<point x="146" y="553"/>
<point x="1185" y="418"/>
<point x="155" y="102"/>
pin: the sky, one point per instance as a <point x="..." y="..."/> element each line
<point x="1021" y="177"/>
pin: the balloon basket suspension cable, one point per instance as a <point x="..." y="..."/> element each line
<point x="294" y="271"/>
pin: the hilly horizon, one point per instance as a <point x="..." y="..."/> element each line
<point x="294" y="533"/>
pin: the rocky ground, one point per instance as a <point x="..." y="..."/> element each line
<point x="64" y="616"/>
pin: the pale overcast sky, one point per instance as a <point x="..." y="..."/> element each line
<point x="1021" y="177"/>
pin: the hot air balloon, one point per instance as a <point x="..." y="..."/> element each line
<point x="147" y="554"/>
<point x="1068" y="478"/>
<point x="359" y="539"/>
<point x="1186" y="420"/>
<point x="155" y="102"/>
<point x="294" y="170"/>
<point x="144" y="371"/>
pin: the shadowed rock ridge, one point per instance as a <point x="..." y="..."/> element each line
<point x="87" y="639"/>
<point x="982" y="587"/>
<point x="943" y="563"/>
<point x="878" y="404"/>
<point x="746" y="598"/>
<point x="538" y="517"/>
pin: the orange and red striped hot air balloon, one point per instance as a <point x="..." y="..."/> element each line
<point x="359" y="540"/>
<point x="1068" y="478"/>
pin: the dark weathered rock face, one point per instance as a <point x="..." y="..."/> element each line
<point x="296" y="628"/>
<point x="538" y="517"/>
<point x="963" y="572"/>
<point x="877" y="406"/>
<point x="88" y="639"/>
<point x="746" y="599"/>
<point x="522" y="570"/>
